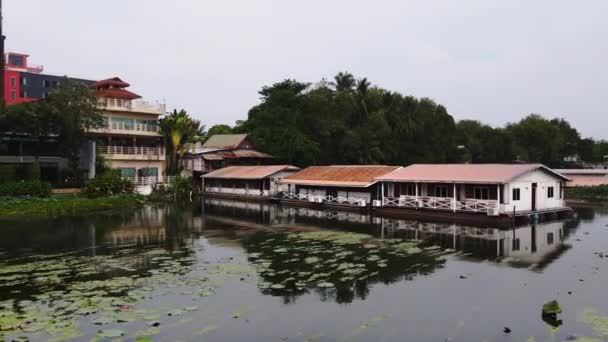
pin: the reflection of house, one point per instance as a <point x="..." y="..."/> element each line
<point x="255" y="181"/>
<point x="343" y="185"/>
<point x="130" y="139"/>
<point x="223" y="150"/>
<point x="586" y="177"/>
<point x="490" y="189"/>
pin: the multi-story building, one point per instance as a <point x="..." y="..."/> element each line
<point x="24" y="82"/>
<point x="130" y="139"/>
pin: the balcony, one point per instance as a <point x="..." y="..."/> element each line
<point x="132" y="153"/>
<point x="130" y="129"/>
<point x="443" y="203"/>
<point x="135" y="106"/>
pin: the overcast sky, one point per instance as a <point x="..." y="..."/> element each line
<point x="494" y="61"/>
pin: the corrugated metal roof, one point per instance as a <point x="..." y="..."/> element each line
<point x="464" y="173"/>
<point x="224" y="141"/>
<point x="249" y="172"/>
<point x="250" y="154"/>
<point x="213" y="156"/>
<point x="339" y="175"/>
<point x="583" y="171"/>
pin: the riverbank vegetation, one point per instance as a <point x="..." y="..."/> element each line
<point x="351" y="121"/>
<point x="588" y="193"/>
<point x="64" y="205"/>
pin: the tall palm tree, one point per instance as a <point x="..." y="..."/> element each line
<point x="178" y="129"/>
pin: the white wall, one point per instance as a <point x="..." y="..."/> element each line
<point x="543" y="247"/>
<point x="524" y="183"/>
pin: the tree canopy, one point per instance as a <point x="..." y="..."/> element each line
<point x="351" y="121"/>
<point x="179" y="129"/>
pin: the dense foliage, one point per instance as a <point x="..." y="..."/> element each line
<point x="64" y="118"/>
<point x="64" y="205"/>
<point x="179" y="129"/>
<point x="33" y="188"/>
<point x="179" y="187"/>
<point x="596" y="193"/>
<point x="348" y="121"/>
<point x="109" y="183"/>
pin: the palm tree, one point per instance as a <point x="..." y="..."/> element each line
<point x="179" y="129"/>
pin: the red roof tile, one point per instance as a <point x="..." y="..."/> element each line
<point x="339" y="175"/>
<point x="464" y="173"/>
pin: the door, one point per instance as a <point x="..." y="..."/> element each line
<point x="534" y="186"/>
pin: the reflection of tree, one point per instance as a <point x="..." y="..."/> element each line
<point x="303" y="265"/>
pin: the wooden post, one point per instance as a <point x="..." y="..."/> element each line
<point x="498" y="197"/>
<point x="454" y="198"/>
<point x="382" y="194"/>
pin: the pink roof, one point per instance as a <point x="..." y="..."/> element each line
<point x="249" y="172"/>
<point x="464" y="173"/>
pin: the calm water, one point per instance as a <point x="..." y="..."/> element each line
<point x="228" y="271"/>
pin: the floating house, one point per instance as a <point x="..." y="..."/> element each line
<point x="335" y="185"/>
<point x="488" y="189"/>
<point x="585" y="177"/>
<point x="246" y="182"/>
<point x="222" y="150"/>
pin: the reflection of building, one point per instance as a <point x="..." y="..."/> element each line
<point x="525" y="245"/>
<point x="147" y="227"/>
<point x="130" y="139"/>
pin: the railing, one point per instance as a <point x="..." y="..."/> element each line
<point x="132" y="150"/>
<point x="238" y="191"/>
<point x="302" y="197"/>
<point x="139" y="106"/>
<point x="441" y="203"/>
<point x="474" y="205"/>
<point x="359" y="201"/>
<point x="143" y="181"/>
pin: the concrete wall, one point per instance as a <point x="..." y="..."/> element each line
<point x="524" y="183"/>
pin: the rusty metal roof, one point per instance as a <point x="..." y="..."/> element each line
<point x="235" y="154"/>
<point x="464" y="173"/>
<point x="225" y="141"/>
<point x="249" y="172"/>
<point x="250" y="154"/>
<point x="339" y="175"/>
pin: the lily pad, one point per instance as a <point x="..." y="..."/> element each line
<point x="191" y="308"/>
<point x="325" y="285"/>
<point x="551" y="308"/>
<point x="110" y="333"/>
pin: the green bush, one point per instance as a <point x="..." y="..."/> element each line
<point x="109" y="183"/>
<point x="26" y="188"/>
<point x="182" y="187"/>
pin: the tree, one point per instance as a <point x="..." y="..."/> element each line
<point x="64" y="116"/>
<point x="74" y="110"/>
<point x="179" y="129"/>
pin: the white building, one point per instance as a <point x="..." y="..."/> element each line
<point x="258" y="181"/>
<point x="491" y="189"/>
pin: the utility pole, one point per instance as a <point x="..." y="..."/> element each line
<point x="2" y="64"/>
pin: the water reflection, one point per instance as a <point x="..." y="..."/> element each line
<point x="533" y="246"/>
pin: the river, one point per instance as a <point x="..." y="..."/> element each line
<point x="231" y="271"/>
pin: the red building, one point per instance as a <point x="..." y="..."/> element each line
<point x="24" y="82"/>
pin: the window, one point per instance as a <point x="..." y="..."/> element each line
<point x="13" y="82"/>
<point x="550" y="192"/>
<point x="516" y="194"/>
<point x="550" y="238"/>
<point x="441" y="191"/>
<point x="46" y="83"/>
<point x="482" y="193"/>
<point x="13" y="95"/>
<point x="516" y="244"/>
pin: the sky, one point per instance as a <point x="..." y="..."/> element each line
<point x="493" y="61"/>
